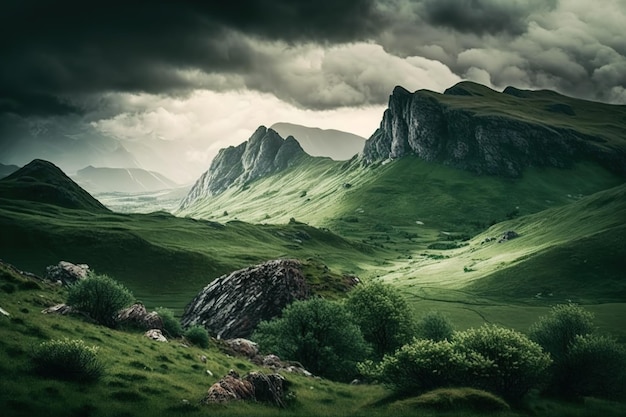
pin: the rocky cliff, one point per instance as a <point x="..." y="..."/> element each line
<point x="475" y="128"/>
<point x="263" y="154"/>
<point x="232" y="305"/>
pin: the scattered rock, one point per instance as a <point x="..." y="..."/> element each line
<point x="274" y="363"/>
<point x="243" y="347"/>
<point x="203" y="359"/>
<point x="4" y="312"/>
<point x="137" y="316"/>
<point x="229" y="388"/>
<point x="255" y="386"/>
<point x="155" y="334"/>
<point x="508" y="235"/>
<point x="61" y="309"/>
<point x="231" y="306"/>
<point x="66" y="272"/>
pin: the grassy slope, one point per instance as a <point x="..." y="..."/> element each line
<point x="165" y="260"/>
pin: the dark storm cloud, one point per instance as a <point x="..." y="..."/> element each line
<point x="484" y="16"/>
<point x="54" y="50"/>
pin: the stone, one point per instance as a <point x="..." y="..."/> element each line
<point x="61" y="309"/>
<point x="66" y="272"/>
<point x="243" y="347"/>
<point x="137" y="316"/>
<point x="508" y="235"/>
<point x="255" y="386"/>
<point x="156" y="334"/>
<point x="231" y="306"/>
<point x="231" y="387"/>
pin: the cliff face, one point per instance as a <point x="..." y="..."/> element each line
<point x="263" y="154"/>
<point x="487" y="132"/>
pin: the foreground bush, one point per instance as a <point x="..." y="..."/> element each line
<point x="492" y="358"/>
<point x="593" y="366"/>
<point x="198" y="335"/>
<point x="501" y="361"/>
<point x="69" y="360"/>
<point x="382" y="315"/>
<point x="171" y="324"/>
<point x="417" y="367"/>
<point x="100" y="297"/>
<point x="435" y="326"/>
<point x="558" y="330"/>
<point x="318" y="333"/>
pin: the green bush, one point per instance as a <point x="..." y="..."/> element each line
<point x="558" y="330"/>
<point x="318" y="333"/>
<point x="69" y="360"/>
<point x="417" y="367"/>
<point x="198" y="335"/>
<point x="100" y="297"/>
<point x="171" y="324"/>
<point x="492" y="358"/>
<point x="434" y="326"/>
<point x="382" y="315"/>
<point x="501" y="361"/>
<point x="593" y="366"/>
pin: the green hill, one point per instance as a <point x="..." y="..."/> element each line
<point x="43" y="182"/>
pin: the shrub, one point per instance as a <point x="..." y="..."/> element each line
<point x="417" y="367"/>
<point x="171" y="324"/>
<point x="435" y="326"/>
<point x="382" y="315"/>
<point x="318" y="333"/>
<point x="593" y="366"/>
<point x="198" y="335"/>
<point x="558" y="330"/>
<point x="66" y="359"/>
<point x="500" y="360"/>
<point x="100" y="297"/>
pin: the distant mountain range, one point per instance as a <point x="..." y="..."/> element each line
<point x="7" y="169"/>
<point x="125" y="180"/>
<point x="332" y="143"/>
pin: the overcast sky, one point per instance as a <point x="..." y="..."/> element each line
<point x="208" y="73"/>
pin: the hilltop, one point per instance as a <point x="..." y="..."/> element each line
<point x="43" y="182"/>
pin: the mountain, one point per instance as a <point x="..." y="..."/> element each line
<point x="331" y="143"/>
<point x="265" y="153"/>
<point x="7" y="169"/>
<point x="126" y="180"/>
<point x="43" y="182"/>
<point x="477" y="129"/>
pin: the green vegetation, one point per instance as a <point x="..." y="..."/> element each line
<point x="171" y="324"/>
<point x="435" y="326"/>
<point x="71" y="360"/>
<point x="197" y="335"/>
<point x="318" y="333"/>
<point x="101" y="297"/>
<point x="454" y="399"/>
<point x="382" y="315"/>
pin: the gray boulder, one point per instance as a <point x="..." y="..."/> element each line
<point x="255" y="386"/>
<point x="232" y="305"/>
<point x="66" y="272"/>
<point x="137" y="316"/>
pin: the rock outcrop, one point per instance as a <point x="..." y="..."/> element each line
<point x="263" y="154"/>
<point x="255" y="386"/>
<point x="137" y="316"/>
<point x="66" y="273"/>
<point x="468" y="128"/>
<point x="232" y="305"/>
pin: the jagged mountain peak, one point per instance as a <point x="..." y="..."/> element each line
<point x="44" y="182"/>
<point x="265" y="153"/>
